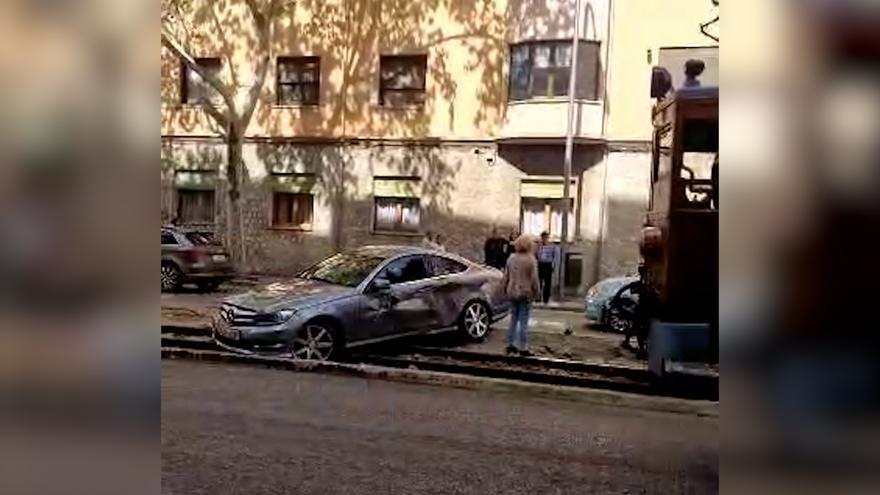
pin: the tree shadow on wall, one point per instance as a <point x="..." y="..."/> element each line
<point x="460" y="37"/>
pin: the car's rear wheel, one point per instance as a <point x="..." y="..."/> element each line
<point x="172" y="277"/>
<point x="316" y="340"/>
<point x="474" y="321"/>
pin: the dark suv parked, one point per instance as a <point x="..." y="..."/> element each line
<point x="192" y="257"/>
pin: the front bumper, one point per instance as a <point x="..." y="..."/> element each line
<point x="272" y="340"/>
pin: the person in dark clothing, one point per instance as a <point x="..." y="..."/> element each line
<point x="548" y="255"/>
<point x="509" y="248"/>
<point x="495" y="250"/>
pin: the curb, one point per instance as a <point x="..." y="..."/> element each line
<point x="189" y="330"/>
<point x="592" y="366"/>
<point x="416" y="376"/>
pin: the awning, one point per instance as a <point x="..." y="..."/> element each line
<point x="546" y="189"/>
<point x="195" y="179"/>
<point x="300" y="183"/>
<point x="397" y="188"/>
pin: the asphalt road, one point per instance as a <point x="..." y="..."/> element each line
<point x="236" y="429"/>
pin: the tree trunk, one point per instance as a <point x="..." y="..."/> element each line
<point x="234" y="224"/>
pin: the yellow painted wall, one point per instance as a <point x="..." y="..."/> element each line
<point x="466" y="82"/>
<point x="466" y="43"/>
<point x="639" y="26"/>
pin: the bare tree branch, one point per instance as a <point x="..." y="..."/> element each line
<point x="257" y="13"/>
<point x="174" y="46"/>
<point x="265" y="24"/>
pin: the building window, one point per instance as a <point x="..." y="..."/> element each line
<point x="292" y="210"/>
<point x="396" y="205"/>
<point x="402" y="80"/>
<point x="298" y="80"/>
<point x="545" y="215"/>
<point x="542" y="69"/>
<point x="195" y="206"/>
<point x="193" y="89"/>
<point x="397" y="214"/>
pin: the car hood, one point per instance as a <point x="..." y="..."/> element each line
<point x="289" y="294"/>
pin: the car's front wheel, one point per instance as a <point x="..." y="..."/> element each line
<point x="475" y="320"/>
<point x="316" y="341"/>
<point x="619" y="322"/>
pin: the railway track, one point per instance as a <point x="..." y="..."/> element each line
<point x="529" y="369"/>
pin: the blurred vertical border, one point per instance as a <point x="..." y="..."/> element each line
<point x="801" y="140"/>
<point x="79" y="350"/>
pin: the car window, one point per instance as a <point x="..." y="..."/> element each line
<point x="406" y="269"/>
<point x="199" y="239"/>
<point x="612" y="286"/>
<point x="168" y="238"/>
<point x="628" y="290"/>
<point x="446" y="266"/>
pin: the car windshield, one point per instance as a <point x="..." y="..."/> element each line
<point x="349" y="269"/>
<point x="610" y="287"/>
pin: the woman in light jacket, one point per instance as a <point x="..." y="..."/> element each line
<point x="521" y="285"/>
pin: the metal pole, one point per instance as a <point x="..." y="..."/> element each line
<point x="569" y="149"/>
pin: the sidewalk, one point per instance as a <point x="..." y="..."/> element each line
<point x="556" y="330"/>
<point x="575" y="304"/>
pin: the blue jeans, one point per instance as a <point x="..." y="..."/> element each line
<point x="517" y="336"/>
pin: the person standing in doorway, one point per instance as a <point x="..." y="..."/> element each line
<point x="548" y="256"/>
<point x="494" y="250"/>
<point x="439" y="243"/>
<point x="520" y="284"/>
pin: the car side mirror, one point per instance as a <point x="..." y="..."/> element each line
<point x="381" y="285"/>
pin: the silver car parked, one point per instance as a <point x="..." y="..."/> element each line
<point x="363" y="296"/>
<point x="598" y="299"/>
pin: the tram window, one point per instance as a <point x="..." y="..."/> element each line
<point x="699" y="152"/>
<point x="700" y="135"/>
<point x="697" y="165"/>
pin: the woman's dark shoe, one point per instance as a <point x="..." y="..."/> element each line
<point x="511" y="350"/>
<point x="526" y="353"/>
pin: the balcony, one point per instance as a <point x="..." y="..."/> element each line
<point x="547" y="118"/>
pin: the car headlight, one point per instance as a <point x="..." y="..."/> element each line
<point x="594" y="290"/>
<point x="284" y="315"/>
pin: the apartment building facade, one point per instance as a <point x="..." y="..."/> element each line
<point x="381" y="120"/>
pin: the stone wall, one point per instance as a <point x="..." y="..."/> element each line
<point x="626" y="201"/>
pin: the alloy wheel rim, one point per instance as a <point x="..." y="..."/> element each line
<point x="618" y="323"/>
<point x="476" y="320"/>
<point x="169" y="276"/>
<point x="314" y="342"/>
